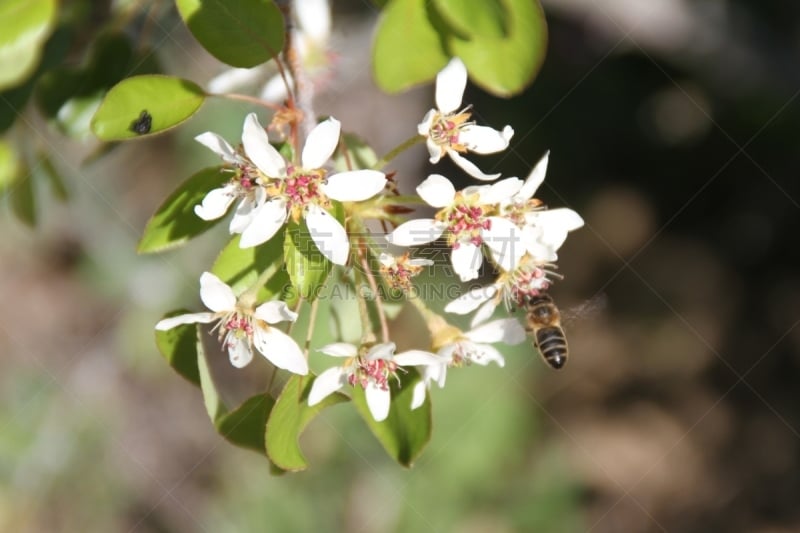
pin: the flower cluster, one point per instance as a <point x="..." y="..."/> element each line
<point x="242" y="326"/>
<point x="501" y="222"/>
<point x="272" y="190"/>
<point x="370" y="368"/>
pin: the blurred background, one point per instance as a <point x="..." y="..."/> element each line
<point x="672" y="126"/>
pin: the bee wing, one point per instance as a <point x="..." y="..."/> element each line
<point x="588" y="309"/>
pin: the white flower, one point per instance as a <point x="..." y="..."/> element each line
<point x="398" y="271"/>
<point x="371" y="371"/>
<point x="310" y="36"/>
<point x="467" y="218"/>
<point x="473" y="346"/>
<point x="543" y="230"/>
<point x="389" y="261"/>
<point x="305" y="191"/>
<point x="514" y="288"/>
<point x="241" y="327"/>
<point x="244" y="185"/>
<point x="449" y="131"/>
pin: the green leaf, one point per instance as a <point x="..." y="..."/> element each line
<point x="182" y="347"/>
<point x="54" y="179"/>
<point x="408" y="46"/>
<point x="179" y="347"/>
<point x="107" y="64"/>
<point x="24" y="28"/>
<point x="167" y="100"/>
<point x="175" y="221"/>
<point x="13" y="101"/>
<point x="215" y="408"/>
<point x="404" y="433"/>
<point x="244" y="426"/>
<point x="289" y="418"/>
<point x="502" y="62"/>
<point x="70" y="96"/>
<point x="23" y="197"/>
<point x="488" y="18"/>
<point x="308" y="268"/>
<point x="9" y="164"/>
<point x="244" y="33"/>
<point x="241" y="267"/>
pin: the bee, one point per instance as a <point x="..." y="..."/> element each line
<point x="142" y="125"/>
<point x="543" y="323"/>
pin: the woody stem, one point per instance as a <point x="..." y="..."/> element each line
<point x="374" y="286"/>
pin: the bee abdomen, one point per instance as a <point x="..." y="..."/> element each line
<point x="553" y="345"/>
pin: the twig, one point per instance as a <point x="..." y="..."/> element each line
<point x="378" y="300"/>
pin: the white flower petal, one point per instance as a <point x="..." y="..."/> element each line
<point x="534" y="179"/>
<point x="482" y="354"/>
<point x="446" y="352"/>
<point x="533" y="237"/>
<point x="340" y="349"/>
<point x="280" y="349"/>
<point x="468" y="302"/>
<point x="274" y="90"/>
<point x="216" y="295"/>
<point x="562" y="218"/>
<point x="314" y="19"/>
<point x="467" y="260"/>
<point x="218" y="145"/>
<point x="233" y="78"/>
<point x="485" y="140"/>
<point x="434" y="151"/>
<point x="504" y="240"/>
<point x="274" y="312"/>
<point x="387" y="260"/>
<point x="471" y="190"/>
<point x="266" y="222"/>
<point x="507" y="330"/>
<point x="189" y="318"/>
<point x="424" y="127"/>
<point x="418" y="395"/>
<point x="330" y="381"/>
<point x="549" y="232"/>
<point x="450" y="84"/>
<point x="243" y="214"/>
<point x="384" y="350"/>
<point x="258" y="149"/>
<point x="216" y="203"/>
<point x="470" y="168"/>
<point x="321" y="143"/>
<point x="418" y="231"/>
<point x="354" y="185"/>
<point x="378" y="401"/>
<point x="328" y="234"/>
<point x="437" y="191"/>
<point x="501" y="191"/>
<point x="484" y="313"/>
<point x="417" y="358"/>
<point x="436" y="373"/>
<point x="420" y="262"/>
<point x="239" y="352"/>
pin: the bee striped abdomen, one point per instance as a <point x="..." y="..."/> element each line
<point x="544" y="325"/>
<point x="553" y="345"/>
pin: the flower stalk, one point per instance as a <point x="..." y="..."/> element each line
<point x="397" y="150"/>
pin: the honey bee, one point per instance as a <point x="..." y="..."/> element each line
<point x="543" y="323"/>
